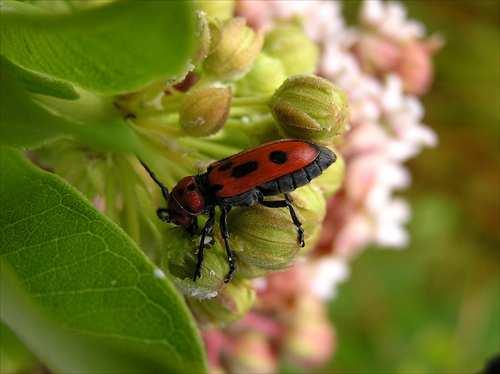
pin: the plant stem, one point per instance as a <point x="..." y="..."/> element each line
<point x="129" y="197"/>
<point x="248" y="111"/>
<point x="250" y="101"/>
<point x="209" y="148"/>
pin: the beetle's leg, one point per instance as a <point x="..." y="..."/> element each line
<point x="163" y="188"/>
<point x="287" y="204"/>
<point x="296" y="221"/>
<point x="162" y="213"/>
<point x="193" y="228"/>
<point x="207" y="229"/>
<point x="225" y="235"/>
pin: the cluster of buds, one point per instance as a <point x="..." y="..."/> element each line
<point x="388" y="43"/>
<point x="243" y="87"/>
<point x="252" y="81"/>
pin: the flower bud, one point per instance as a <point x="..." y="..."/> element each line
<point x="415" y="67"/>
<point x="265" y="77"/>
<point x="377" y="54"/>
<point x="310" y="107"/>
<point x="331" y="180"/>
<point x="205" y="110"/>
<point x="310" y="340"/>
<point x="289" y="43"/>
<point x="265" y="239"/>
<point x="311" y="205"/>
<point x="231" y="304"/>
<point x="235" y="48"/>
<point x="180" y="263"/>
<point x="252" y="353"/>
<point x="204" y="38"/>
<point x="220" y="9"/>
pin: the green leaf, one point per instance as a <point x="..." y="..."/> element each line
<point x="60" y="348"/>
<point x="14" y="356"/>
<point x="37" y="83"/>
<point x="85" y="273"/>
<point x="108" y="49"/>
<point x="91" y="119"/>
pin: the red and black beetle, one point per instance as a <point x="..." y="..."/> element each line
<point x="243" y="180"/>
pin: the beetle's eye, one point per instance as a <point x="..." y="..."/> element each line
<point x="191" y="187"/>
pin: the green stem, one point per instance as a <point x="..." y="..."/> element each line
<point x="248" y="111"/>
<point x="158" y="115"/>
<point x="110" y="192"/>
<point x="250" y="101"/>
<point x="171" y="158"/>
<point x="209" y="148"/>
<point x="169" y="129"/>
<point x="129" y="197"/>
<point x="171" y="106"/>
<point x="250" y="121"/>
<point x="251" y="125"/>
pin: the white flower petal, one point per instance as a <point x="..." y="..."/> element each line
<point x="328" y="273"/>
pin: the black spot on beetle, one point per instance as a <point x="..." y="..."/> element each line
<point x="278" y="157"/>
<point x="226" y="166"/>
<point x="180" y="191"/>
<point x="244" y="169"/>
<point x="191" y="187"/>
<point x="216" y="187"/>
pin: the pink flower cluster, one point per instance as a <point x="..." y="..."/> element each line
<point x="382" y="64"/>
<point x="288" y="325"/>
<point x="378" y="67"/>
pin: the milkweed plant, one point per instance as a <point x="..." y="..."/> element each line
<point x="88" y="89"/>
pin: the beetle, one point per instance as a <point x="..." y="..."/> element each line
<point x="243" y="179"/>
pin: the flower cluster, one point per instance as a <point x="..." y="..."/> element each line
<point x="252" y="81"/>
<point x="382" y="65"/>
<point x="241" y="89"/>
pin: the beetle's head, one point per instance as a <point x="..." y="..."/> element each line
<point x="185" y="202"/>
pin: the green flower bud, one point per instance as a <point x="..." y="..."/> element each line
<point x="331" y="180"/>
<point x="311" y="205"/>
<point x="204" y="38"/>
<point x="231" y="303"/>
<point x="221" y="9"/>
<point x="205" y="110"/>
<point x="265" y="77"/>
<point x="265" y="239"/>
<point x="179" y="262"/>
<point x="310" y="107"/>
<point x="289" y="43"/>
<point x="235" y="48"/>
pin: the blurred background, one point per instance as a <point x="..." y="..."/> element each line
<point x="435" y="307"/>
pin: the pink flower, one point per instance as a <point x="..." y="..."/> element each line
<point x="392" y="43"/>
<point x="377" y="54"/>
<point x="326" y="274"/>
<point x="310" y="339"/>
<point x="415" y="67"/>
<point x="389" y="18"/>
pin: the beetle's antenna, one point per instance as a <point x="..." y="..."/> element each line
<point x="164" y="189"/>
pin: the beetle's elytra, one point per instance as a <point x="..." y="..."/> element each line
<point x="243" y="180"/>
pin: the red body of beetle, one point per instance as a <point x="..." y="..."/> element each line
<point x="244" y="180"/>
